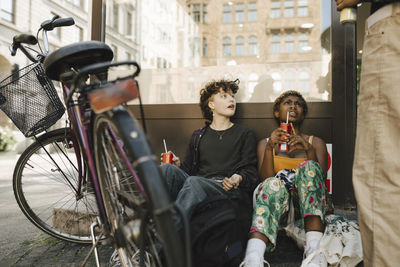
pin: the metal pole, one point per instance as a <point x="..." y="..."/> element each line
<point x="348" y="18"/>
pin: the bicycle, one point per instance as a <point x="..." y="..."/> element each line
<point x="100" y="164"/>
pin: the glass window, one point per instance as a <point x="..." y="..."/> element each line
<point x="227" y="46"/>
<point x="252" y="12"/>
<point x="253" y="80"/>
<point x="304" y="83"/>
<point x="303" y="43"/>
<point x="227" y="14"/>
<point x="196" y="46"/>
<point x="196" y="13"/>
<point x="253" y="51"/>
<point x="302" y="8"/>
<point x="277" y="82"/>
<point x="289" y="8"/>
<point x="290" y="81"/>
<point x="289" y="43"/>
<point x="204" y="13"/>
<point x="204" y="47"/>
<point x="7" y="10"/>
<point x="275" y="9"/>
<point x="239" y="13"/>
<point x="129" y="22"/>
<point x="176" y="53"/>
<point x="115" y="16"/>
<point x="275" y="44"/>
<point x="239" y="46"/>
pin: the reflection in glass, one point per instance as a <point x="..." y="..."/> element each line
<point x="181" y="45"/>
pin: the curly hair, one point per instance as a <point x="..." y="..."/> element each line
<point x="285" y="94"/>
<point x="212" y="88"/>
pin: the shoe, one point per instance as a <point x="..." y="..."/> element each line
<point x="115" y="261"/>
<point x="313" y="258"/>
<point x="253" y="261"/>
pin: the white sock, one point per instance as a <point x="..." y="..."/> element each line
<point x="255" y="251"/>
<point x="313" y="239"/>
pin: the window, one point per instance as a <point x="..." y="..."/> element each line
<point x="252" y="12"/>
<point x="289" y="8"/>
<point x="304" y="82"/>
<point x="7" y="10"/>
<point x="253" y="51"/>
<point x="275" y="9"/>
<point x="226" y="46"/>
<point x="277" y="84"/>
<point x="204" y="47"/>
<point x="227" y="14"/>
<point x="204" y="13"/>
<point x="275" y="44"/>
<point x="129" y="24"/>
<point x="239" y="46"/>
<point x="78" y="34"/>
<point x="239" y="13"/>
<point x="289" y="43"/>
<point x="253" y="80"/>
<point x="115" y="16"/>
<point x="196" y="46"/>
<point x="303" y="43"/>
<point x="196" y="13"/>
<point x="290" y="81"/>
<point x="302" y="8"/>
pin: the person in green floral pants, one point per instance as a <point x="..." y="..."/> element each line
<point x="273" y="198"/>
<point x="296" y="174"/>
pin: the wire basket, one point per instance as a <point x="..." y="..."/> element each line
<point x="30" y="100"/>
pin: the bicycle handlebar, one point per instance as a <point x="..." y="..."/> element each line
<point x="22" y="39"/>
<point x="46" y="26"/>
<point x="49" y="25"/>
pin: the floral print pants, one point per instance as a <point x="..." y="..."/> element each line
<point x="308" y="190"/>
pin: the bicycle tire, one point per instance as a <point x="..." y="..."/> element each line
<point x="137" y="200"/>
<point x="43" y="193"/>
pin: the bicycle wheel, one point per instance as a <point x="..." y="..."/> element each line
<point x="45" y="184"/>
<point x="139" y="212"/>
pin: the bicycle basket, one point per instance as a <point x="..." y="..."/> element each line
<point x="30" y="100"/>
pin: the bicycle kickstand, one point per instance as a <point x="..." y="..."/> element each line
<point x="94" y="246"/>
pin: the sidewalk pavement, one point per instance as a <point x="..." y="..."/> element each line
<point x="45" y="250"/>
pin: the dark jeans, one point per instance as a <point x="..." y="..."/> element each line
<point x="189" y="191"/>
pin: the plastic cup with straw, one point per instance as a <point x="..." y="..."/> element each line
<point x="288" y="129"/>
<point x="167" y="156"/>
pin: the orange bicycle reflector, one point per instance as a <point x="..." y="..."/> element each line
<point x="105" y="98"/>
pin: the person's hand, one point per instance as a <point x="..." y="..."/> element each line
<point x="232" y="182"/>
<point x="278" y="136"/>
<point x="296" y="142"/>
<point x="175" y="159"/>
<point x="340" y="4"/>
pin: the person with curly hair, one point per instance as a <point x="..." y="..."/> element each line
<point x="297" y="174"/>
<point x="221" y="157"/>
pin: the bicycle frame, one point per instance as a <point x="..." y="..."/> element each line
<point x="82" y="131"/>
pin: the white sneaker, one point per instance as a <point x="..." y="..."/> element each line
<point x="253" y="260"/>
<point x="313" y="258"/>
<point x="115" y="261"/>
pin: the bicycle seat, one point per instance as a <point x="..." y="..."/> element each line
<point x="76" y="56"/>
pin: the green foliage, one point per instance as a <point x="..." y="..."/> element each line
<point x="7" y="140"/>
